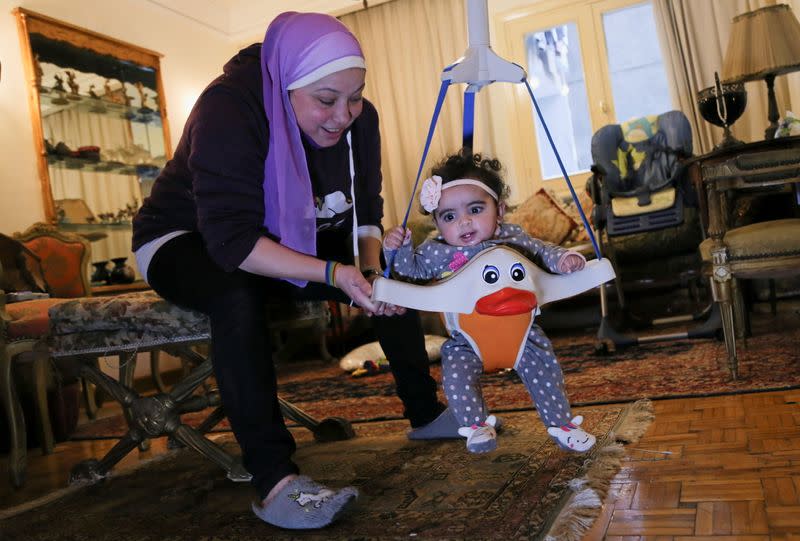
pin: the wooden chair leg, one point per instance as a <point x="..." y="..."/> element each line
<point x="89" y="398"/>
<point x="41" y="366"/>
<point x="18" y="444"/>
<point x="729" y="333"/>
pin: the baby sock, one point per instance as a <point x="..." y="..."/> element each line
<point x="571" y="436"/>
<point x="303" y="505"/>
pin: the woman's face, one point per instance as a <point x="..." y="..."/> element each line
<point x="325" y="108"/>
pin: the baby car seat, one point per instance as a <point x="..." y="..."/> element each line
<point x="640" y="182"/>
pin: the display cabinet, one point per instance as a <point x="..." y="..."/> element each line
<point x="100" y="126"/>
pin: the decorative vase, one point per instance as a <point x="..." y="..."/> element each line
<point x="100" y="274"/>
<point x="722" y="105"/>
<point x="122" y="273"/>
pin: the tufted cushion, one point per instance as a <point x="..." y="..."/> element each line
<point x="763" y="239"/>
<point x="29" y="319"/>
<point x="133" y="320"/>
<point x="141" y="320"/>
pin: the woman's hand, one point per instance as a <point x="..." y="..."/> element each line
<point x="384" y="308"/>
<point x="396" y="237"/>
<point x="350" y="280"/>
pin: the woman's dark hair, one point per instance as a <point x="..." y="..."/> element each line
<point x="465" y="164"/>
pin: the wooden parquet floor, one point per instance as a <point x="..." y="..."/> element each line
<point x="710" y="469"/>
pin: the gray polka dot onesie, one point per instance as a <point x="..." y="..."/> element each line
<point x="461" y="367"/>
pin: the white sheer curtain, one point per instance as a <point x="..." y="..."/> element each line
<point x="102" y="192"/>
<point x="695" y="37"/>
<point x="407" y="44"/>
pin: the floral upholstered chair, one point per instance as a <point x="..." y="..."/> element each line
<point x="40" y="260"/>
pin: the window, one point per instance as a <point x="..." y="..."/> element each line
<point x="590" y="63"/>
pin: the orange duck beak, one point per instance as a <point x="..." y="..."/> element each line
<point x="506" y="302"/>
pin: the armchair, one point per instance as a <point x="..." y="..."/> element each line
<point x="41" y="256"/>
<point x="763" y="249"/>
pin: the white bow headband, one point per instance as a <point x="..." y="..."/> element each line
<point x="432" y="190"/>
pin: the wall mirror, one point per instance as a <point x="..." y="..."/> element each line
<point x="100" y="125"/>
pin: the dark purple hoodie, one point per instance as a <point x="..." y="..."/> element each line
<point x="214" y="182"/>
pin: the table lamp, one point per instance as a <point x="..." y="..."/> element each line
<point x="763" y="43"/>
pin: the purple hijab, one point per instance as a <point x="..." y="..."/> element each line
<point x="295" y="45"/>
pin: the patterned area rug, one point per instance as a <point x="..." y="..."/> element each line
<point x="409" y="490"/>
<point x="770" y="361"/>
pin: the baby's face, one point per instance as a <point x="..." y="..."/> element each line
<point x="467" y="215"/>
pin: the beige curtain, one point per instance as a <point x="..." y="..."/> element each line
<point x="407" y="44"/>
<point x="694" y="35"/>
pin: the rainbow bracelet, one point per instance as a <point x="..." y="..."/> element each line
<point x="330" y="273"/>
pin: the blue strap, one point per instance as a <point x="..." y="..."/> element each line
<point x="431" y="129"/>
<point x="469" y="118"/>
<point x="564" y="172"/>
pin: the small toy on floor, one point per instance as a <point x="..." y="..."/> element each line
<point x="370" y="368"/>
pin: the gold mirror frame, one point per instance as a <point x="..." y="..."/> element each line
<point x="30" y="22"/>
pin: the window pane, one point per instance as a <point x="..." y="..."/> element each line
<point x="555" y="71"/>
<point x="638" y="78"/>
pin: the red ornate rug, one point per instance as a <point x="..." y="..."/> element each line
<point x="527" y="489"/>
<point x="681" y="368"/>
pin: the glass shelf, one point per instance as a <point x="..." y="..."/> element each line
<point x="54" y="101"/>
<point x="89" y="228"/>
<point x="143" y="171"/>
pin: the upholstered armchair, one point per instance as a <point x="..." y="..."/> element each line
<point x="768" y="249"/>
<point x="40" y="259"/>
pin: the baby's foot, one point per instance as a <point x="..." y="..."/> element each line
<point x="304" y="505"/>
<point x="571" y="437"/>
<point x="481" y="438"/>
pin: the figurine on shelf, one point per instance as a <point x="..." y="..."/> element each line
<point x="59" y="86"/>
<point x="97" y="104"/>
<point x="125" y="96"/>
<point x="59" y="89"/>
<point x="110" y="96"/>
<point x="142" y="98"/>
<point x="73" y="85"/>
<point x="38" y="74"/>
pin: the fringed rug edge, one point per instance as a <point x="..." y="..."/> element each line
<point x="583" y="503"/>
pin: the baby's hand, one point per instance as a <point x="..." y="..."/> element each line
<point x="396" y="237"/>
<point x="571" y="262"/>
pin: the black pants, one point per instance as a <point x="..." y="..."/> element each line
<point x="236" y="302"/>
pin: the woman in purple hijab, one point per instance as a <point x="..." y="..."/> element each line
<point x="277" y="171"/>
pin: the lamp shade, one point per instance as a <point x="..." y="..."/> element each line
<point x="763" y="42"/>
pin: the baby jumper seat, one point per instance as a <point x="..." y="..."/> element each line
<point x="493" y="299"/>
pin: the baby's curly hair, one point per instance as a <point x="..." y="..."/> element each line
<point x="465" y="164"/>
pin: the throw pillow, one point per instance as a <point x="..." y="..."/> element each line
<point x="543" y="218"/>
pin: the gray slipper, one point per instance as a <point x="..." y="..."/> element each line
<point x="306" y="505"/>
<point x="444" y="427"/>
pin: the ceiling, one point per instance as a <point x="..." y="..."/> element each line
<point x="240" y="19"/>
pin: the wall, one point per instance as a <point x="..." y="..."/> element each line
<point x="193" y="55"/>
